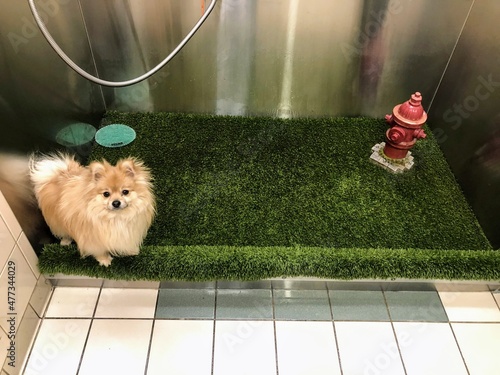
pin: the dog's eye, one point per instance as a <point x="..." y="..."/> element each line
<point x="106" y="194"/>
<point x="125" y="192"/>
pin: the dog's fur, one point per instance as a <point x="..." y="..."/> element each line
<point x="107" y="210"/>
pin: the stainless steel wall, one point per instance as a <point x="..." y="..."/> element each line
<point x="465" y="114"/>
<point x="287" y="58"/>
<point x="275" y="57"/>
<point x="39" y="94"/>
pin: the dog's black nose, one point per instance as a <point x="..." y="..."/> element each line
<point x="116" y="204"/>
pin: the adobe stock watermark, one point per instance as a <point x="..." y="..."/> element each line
<point x="140" y="96"/>
<point x="390" y="351"/>
<point x="376" y="22"/>
<point x="56" y="343"/>
<point x="484" y="89"/>
<point x="28" y="29"/>
<point x="245" y="329"/>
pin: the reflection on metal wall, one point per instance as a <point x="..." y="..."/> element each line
<point x="465" y="114"/>
<point x="275" y="57"/>
<point x="288" y="58"/>
<point x="39" y="95"/>
<point x="129" y="38"/>
<point x="255" y="57"/>
<point x="234" y="70"/>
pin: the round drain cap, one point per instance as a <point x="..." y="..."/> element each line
<point x="115" y="135"/>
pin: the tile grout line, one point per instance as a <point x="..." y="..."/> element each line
<point x="35" y="336"/>
<point x="274" y="328"/>
<point x="334" y="329"/>
<point x="88" y="332"/>
<point x="443" y="306"/>
<point x="494" y="299"/>
<point x="216" y="292"/>
<point x="459" y="348"/>
<point x="453" y="332"/>
<point x="152" y="331"/>
<point x="394" y="331"/>
<point x="44" y="315"/>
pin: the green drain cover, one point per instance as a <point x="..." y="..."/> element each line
<point x="115" y="135"/>
<point x="76" y="134"/>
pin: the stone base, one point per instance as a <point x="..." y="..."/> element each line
<point x="392" y="165"/>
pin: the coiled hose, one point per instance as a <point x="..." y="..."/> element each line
<point x="103" y="82"/>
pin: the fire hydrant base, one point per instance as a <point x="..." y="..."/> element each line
<point x="398" y="166"/>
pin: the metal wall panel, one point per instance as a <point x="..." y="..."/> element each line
<point x="39" y="94"/>
<point x="275" y="57"/>
<point x="130" y="37"/>
<point x="465" y="114"/>
<point x="255" y="57"/>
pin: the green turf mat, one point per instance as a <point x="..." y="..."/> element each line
<point x="206" y="263"/>
<point x="249" y="198"/>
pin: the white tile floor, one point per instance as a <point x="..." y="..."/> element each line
<point x="317" y="342"/>
<point x="92" y="331"/>
<point x="368" y="347"/>
<point x="429" y="348"/>
<point x="172" y="339"/>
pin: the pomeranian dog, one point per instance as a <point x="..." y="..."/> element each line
<point x="107" y="210"/>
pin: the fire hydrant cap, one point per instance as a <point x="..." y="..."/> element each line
<point x="410" y="112"/>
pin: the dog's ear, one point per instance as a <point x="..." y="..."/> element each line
<point x="98" y="170"/>
<point x="135" y="169"/>
<point x="128" y="166"/>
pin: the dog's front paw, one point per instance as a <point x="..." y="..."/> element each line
<point x="105" y="260"/>
<point x="66" y="241"/>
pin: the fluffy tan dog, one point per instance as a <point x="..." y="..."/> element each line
<point x="107" y="210"/>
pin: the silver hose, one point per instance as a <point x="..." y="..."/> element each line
<point x="102" y="82"/>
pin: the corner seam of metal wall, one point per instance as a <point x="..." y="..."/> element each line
<point x="451" y="56"/>
<point x="91" y="52"/>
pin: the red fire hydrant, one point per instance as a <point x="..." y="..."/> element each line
<point x="406" y="124"/>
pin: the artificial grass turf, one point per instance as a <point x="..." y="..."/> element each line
<point x="250" y="198"/>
